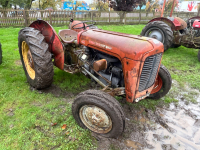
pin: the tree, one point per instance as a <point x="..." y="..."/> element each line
<point x="76" y="4"/>
<point x="100" y="5"/>
<point x="5" y="3"/>
<point x="169" y="3"/>
<point x="43" y="4"/>
<point x="151" y="6"/>
<point x="126" y="6"/>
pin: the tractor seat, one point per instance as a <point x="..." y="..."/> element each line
<point x="67" y="36"/>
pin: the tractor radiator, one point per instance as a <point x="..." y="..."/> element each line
<point x="149" y="71"/>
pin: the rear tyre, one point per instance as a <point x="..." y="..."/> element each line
<point x="99" y="112"/>
<point x="175" y="45"/>
<point x="160" y="31"/>
<point x="0" y="54"/>
<point x="162" y="84"/>
<point x="35" y="58"/>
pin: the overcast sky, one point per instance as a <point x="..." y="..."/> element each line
<point x="88" y="1"/>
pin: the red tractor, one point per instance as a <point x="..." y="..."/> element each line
<point x="173" y="31"/>
<point x="122" y="64"/>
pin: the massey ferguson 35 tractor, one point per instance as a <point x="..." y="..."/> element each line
<point x="122" y="64"/>
<point x="173" y="31"/>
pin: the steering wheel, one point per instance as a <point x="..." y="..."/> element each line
<point x="83" y="27"/>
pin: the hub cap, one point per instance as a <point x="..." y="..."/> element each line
<point x="155" y="33"/>
<point x="158" y="85"/>
<point x="28" y="60"/>
<point x="95" y="119"/>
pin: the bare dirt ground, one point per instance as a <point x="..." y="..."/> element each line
<point x="172" y="127"/>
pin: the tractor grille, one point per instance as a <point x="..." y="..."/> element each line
<point x="149" y="71"/>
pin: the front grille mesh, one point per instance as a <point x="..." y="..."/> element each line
<point x="149" y="71"/>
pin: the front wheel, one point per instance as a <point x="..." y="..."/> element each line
<point x="99" y="112"/>
<point x="162" y="84"/>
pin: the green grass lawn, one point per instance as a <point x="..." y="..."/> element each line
<point x="27" y="115"/>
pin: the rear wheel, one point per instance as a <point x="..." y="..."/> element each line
<point x="162" y="84"/>
<point x="175" y="45"/>
<point x="160" y="31"/>
<point x="99" y="112"/>
<point x="35" y="58"/>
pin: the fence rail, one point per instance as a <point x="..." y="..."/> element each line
<point x="21" y="18"/>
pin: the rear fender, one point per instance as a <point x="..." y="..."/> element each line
<point x="197" y="18"/>
<point x="175" y="23"/>
<point x="55" y="45"/>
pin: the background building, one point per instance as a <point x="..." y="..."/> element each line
<point x="69" y="5"/>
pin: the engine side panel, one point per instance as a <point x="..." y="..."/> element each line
<point x="55" y="45"/>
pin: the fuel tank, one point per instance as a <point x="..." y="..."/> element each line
<point x="120" y="45"/>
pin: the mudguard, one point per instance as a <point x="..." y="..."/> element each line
<point x="51" y="37"/>
<point x="175" y="23"/>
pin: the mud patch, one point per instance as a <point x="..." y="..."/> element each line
<point x="58" y="92"/>
<point x="169" y="127"/>
<point x="18" y="62"/>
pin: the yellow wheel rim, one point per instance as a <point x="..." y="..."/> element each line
<point x="28" y="60"/>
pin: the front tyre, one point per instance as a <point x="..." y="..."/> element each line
<point x="36" y="58"/>
<point x="162" y="84"/>
<point x="99" y="112"/>
<point x="160" y="31"/>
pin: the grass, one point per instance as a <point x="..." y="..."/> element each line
<point x="27" y="116"/>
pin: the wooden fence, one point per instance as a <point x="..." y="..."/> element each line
<point x="21" y="18"/>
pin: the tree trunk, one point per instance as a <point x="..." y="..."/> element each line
<point x="121" y="16"/>
<point x="140" y="14"/>
<point x="27" y="8"/>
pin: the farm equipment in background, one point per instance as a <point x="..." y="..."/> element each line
<point x="122" y="64"/>
<point x="173" y="31"/>
<point x="0" y="54"/>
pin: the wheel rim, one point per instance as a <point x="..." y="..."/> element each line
<point x="156" y="33"/>
<point x="28" y="60"/>
<point x="95" y="119"/>
<point x="158" y="85"/>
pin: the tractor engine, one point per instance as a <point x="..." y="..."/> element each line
<point x="108" y="67"/>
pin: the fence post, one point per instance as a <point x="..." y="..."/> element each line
<point x="50" y="17"/>
<point x="125" y="19"/>
<point x="25" y="18"/>
<point x="109" y="17"/>
<point x="91" y="16"/>
<point x="140" y="17"/>
<point x="72" y="14"/>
